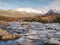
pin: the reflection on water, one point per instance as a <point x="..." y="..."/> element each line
<point x="25" y="42"/>
<point x="8" y="42"/>
<point x="38" y="42"/>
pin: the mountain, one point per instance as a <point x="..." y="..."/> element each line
<point x="51" y="13"/>
<point x="16" y="13"/>
<point x="29" y="10"/>
<point x="26" y="13"/>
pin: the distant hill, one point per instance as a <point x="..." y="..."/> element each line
<point x="14" y="15"/>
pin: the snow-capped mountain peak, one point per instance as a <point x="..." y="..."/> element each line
<point x="28" y="10"/>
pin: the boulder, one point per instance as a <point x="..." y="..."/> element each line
<point x="4" y="35"/>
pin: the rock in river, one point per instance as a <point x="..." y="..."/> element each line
<point x="4" y="35"/>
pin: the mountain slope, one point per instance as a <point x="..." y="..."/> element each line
<point x="14" y="13"/>
<point x="29" y="10"/>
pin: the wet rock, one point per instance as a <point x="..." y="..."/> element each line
<point x="23" y="41"/>
<point x="9" y="37"/>
<point x="4" y="35"/>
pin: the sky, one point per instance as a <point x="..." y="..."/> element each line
<point x="34" y="4"/>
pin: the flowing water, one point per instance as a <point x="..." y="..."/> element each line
<point x="37" y="35"/>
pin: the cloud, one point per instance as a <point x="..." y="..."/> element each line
<point x="54" y="5"/>
<point x="2" y="4"/>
